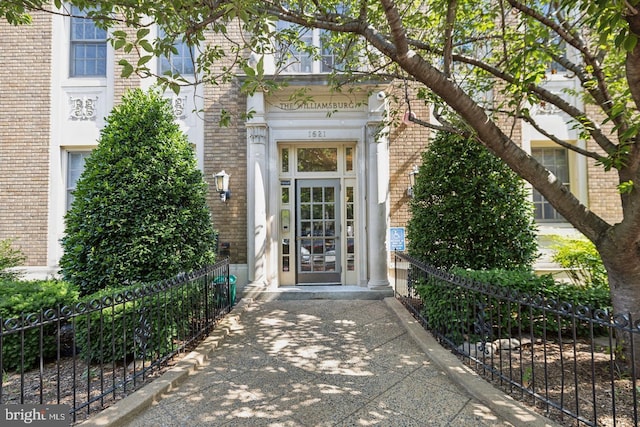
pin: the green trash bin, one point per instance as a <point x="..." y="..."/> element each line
<point x="219" y="280"/>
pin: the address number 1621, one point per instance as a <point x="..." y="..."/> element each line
<point x="317" y="134"/>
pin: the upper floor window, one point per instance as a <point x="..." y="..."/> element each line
<point x="309" y="53"/>
<point x="88" y="47"/>
<point x="559" y="48"/>
<point x="181" y="61"/>
<point x="555" y="160"/>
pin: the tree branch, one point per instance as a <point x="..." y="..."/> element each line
<point x="398" y="34"/>
<point x="448" y="36"/>
<point x="560" y="142"/>
<point x="599" y="92"/>
<point x="545" y="95"/>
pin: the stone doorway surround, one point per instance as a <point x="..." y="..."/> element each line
<point x="332" y="117"/>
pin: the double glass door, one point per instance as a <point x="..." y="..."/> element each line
<point x="318" y="231"/>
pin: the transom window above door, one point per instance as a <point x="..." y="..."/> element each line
<point x="313" y="159"/>
<point x="317" y="160"/>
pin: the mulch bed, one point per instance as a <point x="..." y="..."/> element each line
<point x="71" y="381"/>
<point x="586" y="381"/>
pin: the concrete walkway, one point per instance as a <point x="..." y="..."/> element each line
<point x="318" y="363"/>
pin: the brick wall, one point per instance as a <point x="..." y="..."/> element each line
<point x="226" y="148"/>
<point x="120" y="85"/>
<point x="25" y="77"/>
<point x="604" y="199"/>
<point x="407" y="143"/>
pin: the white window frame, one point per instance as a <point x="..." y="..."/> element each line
<point x="100" y="44"/>
<point x="577" y="177"/>
<point x="186" y="56"/>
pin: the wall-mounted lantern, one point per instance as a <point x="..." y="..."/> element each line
<point x="412" y="180"/>
<point x="222" y="185"/>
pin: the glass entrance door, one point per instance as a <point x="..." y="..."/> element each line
<point x="318" y="231"/>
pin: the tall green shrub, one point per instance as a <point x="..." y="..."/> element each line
<point x="9" y="257"/>
<point x="139" y="212"/>
<point x="469" y="210"/>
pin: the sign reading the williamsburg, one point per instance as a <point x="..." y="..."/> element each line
<point x="319" y="105"/>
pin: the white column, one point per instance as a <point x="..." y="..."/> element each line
<point x="377" y="193"/>
<point x="257" y="191"/>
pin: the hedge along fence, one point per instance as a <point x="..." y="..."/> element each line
<point x="456" y="309"/>
<point x="110" y="341"/>
<point x="24" y="347"/>
<point x="140" y="323"/>
<point x="550" y="344"/>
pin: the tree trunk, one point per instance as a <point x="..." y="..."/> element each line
<point x="623" y="268"/>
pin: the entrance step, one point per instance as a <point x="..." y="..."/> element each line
<point x="283" y="293"/>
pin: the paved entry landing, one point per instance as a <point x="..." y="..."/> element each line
<point x="317" y="363"/>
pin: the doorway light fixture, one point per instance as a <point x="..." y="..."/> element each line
<point x="222" y="185"/>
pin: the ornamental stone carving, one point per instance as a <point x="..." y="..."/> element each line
<point x="257" y="133"/>
<point x="83" y="108"/>
<point x="179" y="103"/>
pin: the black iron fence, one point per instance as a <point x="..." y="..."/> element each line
<point x="93" y="353"/>
<point x="566" y="361"/>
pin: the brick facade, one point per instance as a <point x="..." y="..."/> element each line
<point x="25" y="111"/>
<point x="120" y="85"/>
<point x="407" y="143"/>
<point x="226" y="149"/>
<point x="604" y="199"/>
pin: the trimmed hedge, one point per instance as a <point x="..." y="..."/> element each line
<point x="18" y="297"/>
<point x="119" y="318"/>
<point x="453" y="310"/>
<point x="140" y="212"/>
<point x="469" y="210"/>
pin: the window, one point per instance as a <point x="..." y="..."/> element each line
<point x="317" y="159"/>
<point x="557" y="47"/>
<point x="330" y="61"/>
<point x="556" y="160"/>
<point x="180" y="62"/>
<point x="88" y="53"/>
<point x="298" y="56"/>
<point x="75" y="166"/>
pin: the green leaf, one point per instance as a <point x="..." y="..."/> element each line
<point x="630" y="42"/>
<point x="127" y="68"/>
<point x="142" y="33"/>
<point x="249" y="71"/>
<point x="146" y="45"/>
<point x="625" y="187"/>
<point x="143" y="60"/>
<point x="118" y="43"/>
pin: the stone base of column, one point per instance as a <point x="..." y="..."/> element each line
<point x="378" y="285"/>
